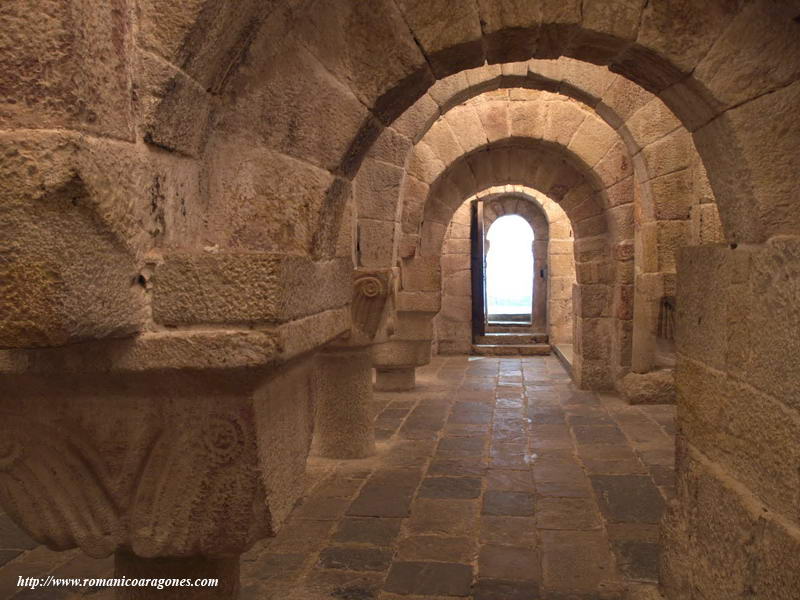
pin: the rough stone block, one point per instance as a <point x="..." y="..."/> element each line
<point x="69" y="249"/>
<point x="439" y="27"/>
<point x="655" y="387"/>
<point x="266" y="201"/>
<point x="375" y="240"/>
<point x="422" y="274"/>
<point x="563" y="120"/>
<point x="672" y="195"/>
<point x="245" y="288"/>
<point x="705" y="226"/>
<point x="592" y="140"/>
<point x="376" y="189"/>
<point x="66" y="65"/>
<point x="494" y="117"/>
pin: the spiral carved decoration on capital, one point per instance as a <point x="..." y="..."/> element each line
<point x="370" y="286"/>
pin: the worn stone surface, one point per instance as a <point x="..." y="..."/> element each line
<point x="207" y="128"/>
<point x="415" y="521"/>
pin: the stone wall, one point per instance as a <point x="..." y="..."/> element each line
<point x="553" y="242"/>
<point x="734" y="529"/>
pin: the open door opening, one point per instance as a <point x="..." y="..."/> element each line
<point x="509" y="271"/>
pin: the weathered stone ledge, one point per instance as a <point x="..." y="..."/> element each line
<point x="183" y="349"/>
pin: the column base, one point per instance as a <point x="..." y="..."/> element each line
<point x="192" y="568"/>
<point x="395" y="380"/>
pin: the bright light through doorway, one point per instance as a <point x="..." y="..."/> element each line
<point x="509" y="267"/>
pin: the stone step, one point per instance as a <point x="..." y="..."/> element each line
<point x="515" y="339"/>
<point x="511" y="350"/>
<point x="509" y="328"/>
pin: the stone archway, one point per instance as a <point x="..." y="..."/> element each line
<point x="552" y="310"/>
<point x="179" y="75"/>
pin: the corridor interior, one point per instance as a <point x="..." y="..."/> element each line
<point x="495" y="479"/>
<point x="241" y="328"/>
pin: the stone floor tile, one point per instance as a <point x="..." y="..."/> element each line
<point x="567" y="513"/>
<point x="471" y="413"/>
<point x="456" y="447"/>
<point x="512" y="531"/>
<point x="494" y="589"/>
<point x="564" y="489"/>
<point x="298" y="536"/>
<point x="256" y="589"/>
<point x="663" y="475"/>
<point x="429" y="578"/>
<point x="442" y="467"/>
<point x="575" y="561"/>
<point x="382" y="501"/>
<point x="322" y="584"/>
<point x="581" y="397"/>
<point x="509" y="480"/>
<point x="437" y="548"/>
<point x="466" y="430"/>
<point x="367" y="530"/>
<point x="659" y="457"/>
<point x="444" y="517"/>
<point x="270" y="565"/>
<point x="321" y="509"/>
<point x="557" y="470"/>
<point x="505" y="503"/>
<point x="353" y="558"/>
<point x="435" y="440"/>
<point x="509" y="562"/>
<point x="628" y="498"/>
<point x="597" y="418"/>
<point x="450" y="487"/>
<point x="337" y="487"/>
<point x="510" y="403"/>
<point x="637" y="550"/>
<point x="548" y="417"/>
<point x="408" y="454"/>
<point x="606" y="452"/>
<point x="599" y="434"/>
<point x="418" y="434"/>
<point x="595" y="466"/>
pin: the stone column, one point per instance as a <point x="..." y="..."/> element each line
<point x="343" y="376"/>
<point x="141" y="449"/>
<point x="343" y="389"/>
<point x="409" y="343"/>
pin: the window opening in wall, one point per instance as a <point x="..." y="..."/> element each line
<point x="509" y="270"/>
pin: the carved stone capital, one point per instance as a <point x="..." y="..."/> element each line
<point x="157" y="463"/>
<point x="372" y="290"/>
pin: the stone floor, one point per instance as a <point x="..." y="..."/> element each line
<point x="495" y="479"/>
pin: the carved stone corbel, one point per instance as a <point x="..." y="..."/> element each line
<point x="371" y="292"/>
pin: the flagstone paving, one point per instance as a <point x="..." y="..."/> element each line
<point x="495" y="479"/>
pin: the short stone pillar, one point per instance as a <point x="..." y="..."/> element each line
<point x="395" y="380"/>
<point x="343" y="391"/>
<point x="343" y="426"/>
<point x="409" y="347"/>
<point x="175" y="469"/>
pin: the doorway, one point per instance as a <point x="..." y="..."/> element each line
<point x="509" y="271"/>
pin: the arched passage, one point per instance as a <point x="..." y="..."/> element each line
<point x="554" y="267"/>
<point x="175" y="76"/>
